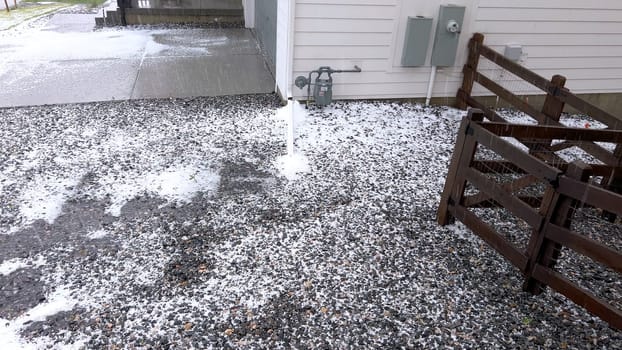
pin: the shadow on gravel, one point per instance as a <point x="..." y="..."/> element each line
<point x="188" y="232"/>
<point x="64" y="320"/>
<point x="24" y="289"/>
<point x="20" y="291"/>
<point x="242" y="177"/>
<point x="68" y="231"/>
<point x="188" y="244"/>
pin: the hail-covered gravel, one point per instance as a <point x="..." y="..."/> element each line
<point x="171" y="224"/>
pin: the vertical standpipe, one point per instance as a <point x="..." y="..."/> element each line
<point x="428" y="95"/>
<point x="290" y="127"/>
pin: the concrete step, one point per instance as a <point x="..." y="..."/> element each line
<point x="176" y="11"/>
<point x="112" y="19"/>
<point x="183" y="15"/>
<point x="188" y="4"/>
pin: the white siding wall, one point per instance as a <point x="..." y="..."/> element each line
<point x="370" y="34"/>
<point x="577" y="38"/>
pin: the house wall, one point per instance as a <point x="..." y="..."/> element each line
<point x="581" y="40"/>
<point x="576" y="38"/>
<point x="265" y="28"/>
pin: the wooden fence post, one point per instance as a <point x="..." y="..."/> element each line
<point x="557" y="210"/>
<point x="553" y="107"/>
<point x="469" y="74"/>
<point x="464" y="150"/>
<point x="614" y="183"/>
<point x="552" y="110"/>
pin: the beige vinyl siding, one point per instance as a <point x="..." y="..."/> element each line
<point x="340" y="34"/>
<point x="576" y="38"/>
<point x="557" y="39"/>
<point x="581" y="40"/>
<point x="372" y="10"/>
<point x="343" y="33"/>
<point x="552" y="4"/>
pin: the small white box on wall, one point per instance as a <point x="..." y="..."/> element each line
<point x="513" y="52"/>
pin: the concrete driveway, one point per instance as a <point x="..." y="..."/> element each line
<point x="68" y="61"/>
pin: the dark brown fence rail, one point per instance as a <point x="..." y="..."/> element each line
<point x="489" y="170"/>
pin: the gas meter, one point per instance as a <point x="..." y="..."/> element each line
<point x="323" y="84"/>
<point x="323" y="89"/>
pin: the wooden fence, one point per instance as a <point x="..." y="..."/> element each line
<point x="557" y="96"/>
<point x="519" y="169"/>
<point x="548" y="213"/>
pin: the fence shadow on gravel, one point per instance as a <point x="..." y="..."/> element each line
<point x="533" y="191"/>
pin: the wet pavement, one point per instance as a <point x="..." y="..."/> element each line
<point x="67" y="61"/>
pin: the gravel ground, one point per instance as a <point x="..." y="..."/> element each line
<point x="170" y="224"/>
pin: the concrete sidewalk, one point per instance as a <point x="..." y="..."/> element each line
<point x="68" y="62"/>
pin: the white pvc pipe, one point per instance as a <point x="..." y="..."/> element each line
<point x="428" y="96"/>
<point x="290" y="127"/>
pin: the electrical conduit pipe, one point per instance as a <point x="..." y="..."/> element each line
<point x="428" y="96"/>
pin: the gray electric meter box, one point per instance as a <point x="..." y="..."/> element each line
<point x="416" y="41"/>
<point x="448" y="29"/>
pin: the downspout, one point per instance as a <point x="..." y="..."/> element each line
<point x="284" y="48"/>
<point x="290" y="48"/>
<point x="290" y="127"/>
<point x="428" y="96"/>
<point x="249" y="13"/>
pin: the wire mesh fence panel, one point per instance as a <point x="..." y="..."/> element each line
<point x="513" y="229"/>
<point x="602" y="281"/>
<point x="507" y="81"/>
<point x="540" y="185"/>
<point x="588" y="222"/>
<point x="497" y="181"/>
<point x="522" y="196"/>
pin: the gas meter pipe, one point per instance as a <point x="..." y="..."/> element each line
<point x="323" y="87"/>
<point x="329" y="71"/>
